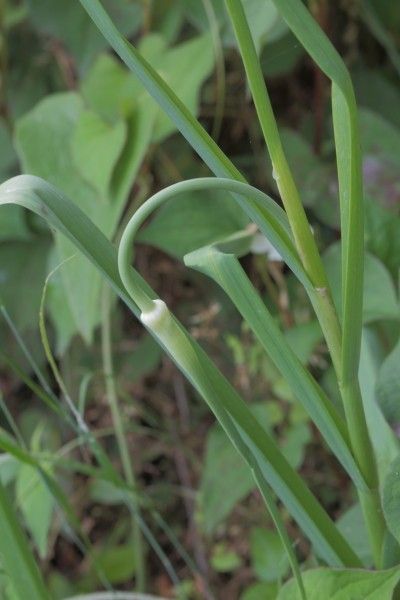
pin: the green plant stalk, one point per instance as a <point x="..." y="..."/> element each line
<point x="123" y="449"/>
<point x="348" y="156"/>
<point x="303" y="236"/>
<point x="302" y="233"/>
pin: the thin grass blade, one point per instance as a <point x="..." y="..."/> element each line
<point x="255" y="445"/>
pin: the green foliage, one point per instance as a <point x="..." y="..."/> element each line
<point x="223" y="469"/>
<point x="23" y="280"/>
<point x="117" y="563"/>
<point x="391" y="491"/>
<point x="106" y="144"/>
<point x="180" y="228"/>
<point x="36" y="504"/>
<point x="68" y="22"/>
<point x="380" y="297"/>
<point x="224" y="560"/>
<point x="100" y="160"/>
<point x="325" y="584"/>
<point x="268" y="555"/>
<point x="15" y="555"/>
<point x="352" y="525"/>
<point x="265" y="23"/>
<point x="388" y="386"/>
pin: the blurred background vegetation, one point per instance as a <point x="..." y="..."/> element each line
<point x="71" y="113"/>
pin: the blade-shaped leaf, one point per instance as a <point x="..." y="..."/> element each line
<point x="348" y="157"/>
<point x="257" y="447"/>
<point x="227" y="272"/>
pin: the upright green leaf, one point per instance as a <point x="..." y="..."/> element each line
<point x="96" y="148"/>
<point x="391" y="498"/>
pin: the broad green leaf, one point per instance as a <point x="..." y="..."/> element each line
<point x="294" y="444"/>
<point x="140" y="130"/>
<point x="184" y="68"/>
<point x="380" y="298"/>
<point x="165" y="97"/>
<point x="260" y="591"/>
<point x="23" y="268"/>
<point x="279" y="57"/>
<point x="117" y="563"/>
<point x="15" y="554"/>
<point x="388" y="386"/>
<point x="385" y="444"/>
<point x="180" y="227"/>
<point x="376" y="92"/>
<point x="382" y="24"/>
<point x="253" y="442"/>
<point x="8" y="158"/>
<point x="391" y="498"/>
<point x="303" y="339"/>
<point x="268" y="555"/>
<point x="223" y="469"/>
<point x="140" y="361"/>
<point x="330" y="584"/>
<point x="114" y="92"/>
<point x="96" y="148"/>
<point x="109" y="89"/>
<point x="39" y="148"/>
<point x="223" y="559"/>
<point x="379" y="137"/>
<point x="264" y="21"/>
<point x="352" y="525"/>
<point x="8" y="468"/>
<point x="66" y="21"/>
<point x="13" y="225"/>
<point x="36" y="504"/>
<point x="383" y="235"/>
